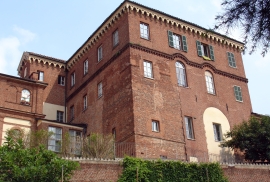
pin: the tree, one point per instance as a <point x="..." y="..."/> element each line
<point x="252" y="16"/>
<point x="251" y="137"/>
<point x="22" y="164"/>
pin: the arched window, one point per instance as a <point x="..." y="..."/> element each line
<point x="25" y="98"/>
<point x="209" y="82"/>
<point x="181" y="74"/>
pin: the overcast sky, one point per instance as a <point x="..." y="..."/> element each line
<point x="59" y="28"/>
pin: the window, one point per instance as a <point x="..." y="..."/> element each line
<point x="217" y="132"/>
<point x="189" y="128"/>
<point x="40" y="75"/>
<point x="238" y="93"/>
<point x="61" y="80"/>
<point x="71" y="112"/>
<point x="209" y="83"/>
<point x="54" y="142"/>
<point x="100" y="89"/>
<point x="148" y="72"/>
<point x="177" y="41"/>
<point x="181" y="74"/>
<point x="144" y="29"/>
<point x="75" y="142"/>
<point x="205" y="51"/>
<point x="115" y="38"/>
<point x="114" y="133"/>
<point x="60" y="116"/>
<point x="25" y="72"/>
<point x="85" y="102"/>
<point x="72" y="79"/>
<point x="231" y="59"/>
<point x="25" y="98"/>
<point x="155" y="126"/>
<point x="100" y="53"/>
<point x="85" y="67"/>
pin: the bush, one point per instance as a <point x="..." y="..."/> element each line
<point x="170" y="171"/>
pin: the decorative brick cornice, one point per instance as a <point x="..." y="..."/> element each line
<point x="160" y="54"/>
<point x="32" y="57"/>
<point x="128" y="6"/>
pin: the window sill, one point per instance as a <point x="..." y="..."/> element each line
<point x="239" y="101"/>
<point x="211" y="94"/>
<point x="61" y="85"/>
<point x="155" y="131"/>
<point x="114" y="46"/>
<point x="100" y="96"/>
<point x="191" y="139"/>
<point x="85" y="109"/>
<point x="145" y="39"/>
<point x="149" y="78"/>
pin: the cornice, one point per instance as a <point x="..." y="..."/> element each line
<point x="160" y="54"/>
<point x="128" y="6"/>
<point x="32" y="57"/>
<point x="22" y="112"/>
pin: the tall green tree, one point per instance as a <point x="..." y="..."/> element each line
<point x="253" y="19"/>
<point x="251" y="137"/>
<point x="21" y="164"/>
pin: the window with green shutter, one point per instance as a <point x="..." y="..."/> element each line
<point x="177" y="41"/>
<point x="205" y="51"/>
<point x="238" y="93"/>
<point x="231" y="59"/>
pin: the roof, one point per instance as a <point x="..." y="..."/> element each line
<point x="127" y="4"/>
<point x="30" y="56"/>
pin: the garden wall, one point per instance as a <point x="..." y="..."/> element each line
<point x="110" y="171"/>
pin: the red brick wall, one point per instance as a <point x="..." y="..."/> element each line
<point x="163" y="100"/>
<point x="97" y="171"/>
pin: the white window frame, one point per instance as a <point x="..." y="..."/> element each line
<point x="25" y="97"/>
<point x="60" y="116"/>
<point x="55" y="140"/>
<point x="144" y="30"/>
<point x="238" y="93"/>
<point x="210" y="83"/>
<point x="41" y="76"/>
<point x="177" y="41"/>
<point x="217" y="132"/>
<point x="115" y="38"/>
<point x="181" y="74"/>
<point x="72" y="79"/>
<point x="61" y="80"/>
<point x="100" y="91"/>
<point x="85" y="67"/>
<point x="100" y="54"/>
<point x="148" y="69"/>
<point x="84" y="102"/>
<point x="75" y="146"/>
<point x="189" y="128"/>
<point x="155" y="126"/>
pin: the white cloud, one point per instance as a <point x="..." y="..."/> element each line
<point x="10" y="53"/>
<point x="25" y="35"/>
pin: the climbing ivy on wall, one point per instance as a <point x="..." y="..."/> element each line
<point x="138" y="170"/>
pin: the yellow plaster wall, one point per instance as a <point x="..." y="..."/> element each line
<point x="10" y="123"/>
<point x="213" y="115"/>
<point x="50" y="110"/>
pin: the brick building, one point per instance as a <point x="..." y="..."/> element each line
<point x="163" y="86"/>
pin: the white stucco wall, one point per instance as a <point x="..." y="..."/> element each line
<point x="50" y="110"/>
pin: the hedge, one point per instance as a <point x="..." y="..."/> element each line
<point x="138" y="170"/>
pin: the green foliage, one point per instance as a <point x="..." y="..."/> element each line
<point x="251" y="137"/>
<point x="170" y="171"/>
<point x="22" y="164"/>
<point x="251" y="17"/>
<point x="98" y="146"/>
